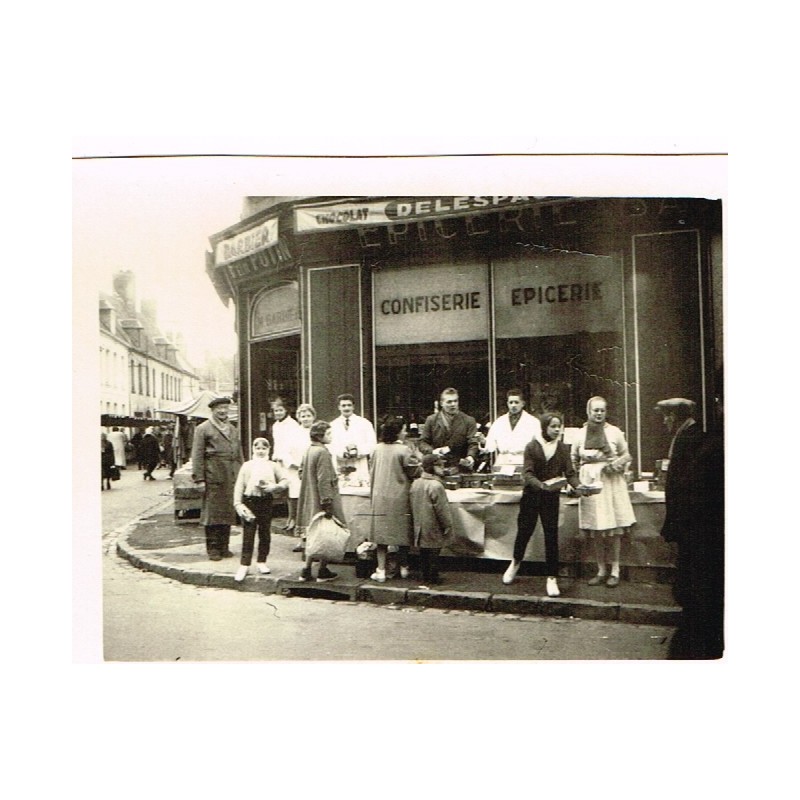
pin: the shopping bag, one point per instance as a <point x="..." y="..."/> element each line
<point x="326" y="538"/>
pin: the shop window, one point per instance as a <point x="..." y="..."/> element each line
<point x="410" y="378"/>
<point x="559" y="328"/>
<point x="431" y="333"/>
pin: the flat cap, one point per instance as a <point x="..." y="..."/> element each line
<point x="218" y="401"/>
<point x="679" y="404"/>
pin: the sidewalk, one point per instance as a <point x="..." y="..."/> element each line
<point x="176" y="549"/>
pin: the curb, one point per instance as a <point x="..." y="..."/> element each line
<point x="377" y="594"/>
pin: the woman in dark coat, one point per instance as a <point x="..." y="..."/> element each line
<point x="106" y="461"/>
<point x="544" y="463"/>
<point x="149" y="453"/>
<point x="391" y="470"/>
<point x="319" y="491"/>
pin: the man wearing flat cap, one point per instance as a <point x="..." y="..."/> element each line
<point x="216" y="459"/>
<point x="693" y="494"/>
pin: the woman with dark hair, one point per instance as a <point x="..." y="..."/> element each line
<point x="319" y="491"/>
<point x="546" y="468"/>
<point x="391" y="470"/>
<point x="600" y="454"/>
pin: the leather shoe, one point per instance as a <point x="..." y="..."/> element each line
<point x="227" y="554"/>
<point x="215" y="557"/>
<point x="613" y="581"/>
<point x="597" y="580"/>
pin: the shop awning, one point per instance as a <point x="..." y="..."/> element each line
<point x="198" y="407"/>
<point x="111" y="420"/>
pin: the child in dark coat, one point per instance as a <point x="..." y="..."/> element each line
<point x="433" y="519"/>
<point x="547" y="467"/>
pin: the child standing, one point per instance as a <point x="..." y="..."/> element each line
<point x="433" y="519"/>
<point x="252" y="499"/>
<point x="545" y="462"/>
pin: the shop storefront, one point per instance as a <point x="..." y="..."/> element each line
<point x="395" y="299"/>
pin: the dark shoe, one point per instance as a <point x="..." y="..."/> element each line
<point x="613" y="581"/>
<point x="305" y="575"/>
<point x="215" y="557"/>
<point x="597" y="580"/>
<point x="326" y="575"/>
<point x="227" y="554"/>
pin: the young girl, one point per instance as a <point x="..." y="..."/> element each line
<point x="543" y="461"/>
<point x="252" y="499"/>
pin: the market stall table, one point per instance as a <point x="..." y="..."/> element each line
<point x="486" y="526"/>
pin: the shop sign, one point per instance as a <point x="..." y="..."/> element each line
<point x="353" y="214"/>
<point x="247" y="243"/>
<point x="276" y="311"/>
<point x="431" y="304"/>
<point x="556" y="295"/>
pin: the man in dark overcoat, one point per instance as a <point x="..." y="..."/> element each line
<point x="216" y="459"/>
<point x="694" y="520"/>
<point x="451" y="433"/>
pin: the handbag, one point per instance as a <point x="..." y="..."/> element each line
<point x="115" y="476"/>
<point x="326" y="538"/>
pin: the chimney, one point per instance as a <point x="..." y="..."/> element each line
<point x="125" y="287"/>
<point x="149" y="310"/>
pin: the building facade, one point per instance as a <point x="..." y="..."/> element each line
<point x="143" y="373"/>
<point x="394" y="299"/>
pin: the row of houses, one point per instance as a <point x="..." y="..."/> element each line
<point x="143" y="372"/>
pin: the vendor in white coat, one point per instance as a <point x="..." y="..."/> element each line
<point x="509" y="433"/>
<point x="353" y="441"/>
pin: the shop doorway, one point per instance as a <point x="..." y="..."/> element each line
<point x="274" y="371"/>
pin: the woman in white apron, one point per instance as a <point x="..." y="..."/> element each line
<point x="600" y="455"/>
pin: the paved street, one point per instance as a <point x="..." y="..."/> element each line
<point x="151" y="618"/>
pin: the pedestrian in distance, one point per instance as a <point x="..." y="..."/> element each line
<point x="319" y="491"/>
<point x="392" y="468"/>
<point x="600" y="455"/>
<point x="106" y="461"/>
<point x="119" y="440"/>
<point x="168" y="452"/>
<point x="253" y="492"/>
<point x="150" y="453"/>
<point x="216" y="459"/>
<point x="547" y="467"/>
<point x="136" y="442"/>
<point x="432" y="516"/>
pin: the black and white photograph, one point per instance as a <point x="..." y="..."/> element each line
<point x="406" y="425"/>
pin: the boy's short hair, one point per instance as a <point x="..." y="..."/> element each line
<point x="430" y="460"/>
